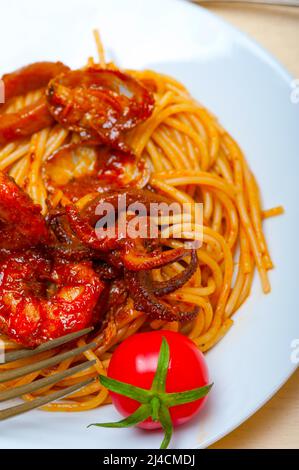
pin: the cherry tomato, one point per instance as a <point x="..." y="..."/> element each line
<point x="135" y="362"/>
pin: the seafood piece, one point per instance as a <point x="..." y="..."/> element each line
<point x="31" y="312"/>
<point x="134" y="253"/>
<point x="25" y="122"/>
<point x="21" y="222"/>
<point x="99" y="104"/>
<point x="135" y="259"/>
<point x="31" y="77"/>
<point x="65" y="244"/>
<point x="88" y="235"/>
<point x="161" y="288"/>
<point x="70" y="163"/>
<point x="142" y="292"/>
<point x="33" y="117"/>
<point x="81" y="168"/>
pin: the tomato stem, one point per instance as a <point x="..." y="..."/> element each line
<point x="155" y="403"/>
<point x="166" y="422"/>
<point x="142" y="413"/>
<point x="159" y="382"/>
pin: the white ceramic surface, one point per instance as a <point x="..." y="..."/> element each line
<point x="250" y="93"/>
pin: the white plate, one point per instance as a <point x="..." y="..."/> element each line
<point x="251" y="94"/>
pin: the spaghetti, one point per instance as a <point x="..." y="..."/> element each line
<point x="188" y="157"/>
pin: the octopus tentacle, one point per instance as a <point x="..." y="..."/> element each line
<point x="167" y="287"/>
<point x="142" y="293"/>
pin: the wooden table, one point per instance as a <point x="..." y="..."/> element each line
<point x="276" y="425"/>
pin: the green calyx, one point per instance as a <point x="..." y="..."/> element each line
<point x="154" y="403"/>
